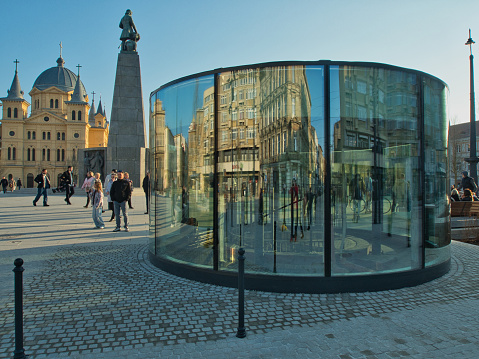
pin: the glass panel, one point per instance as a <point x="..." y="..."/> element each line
<point x="183" y="155"/>
<point x="436" y="191"/>
<point x="375" y="177"/>
<point x="271" y="169"/>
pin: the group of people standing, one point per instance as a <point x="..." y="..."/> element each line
<point x="118" y="190"/>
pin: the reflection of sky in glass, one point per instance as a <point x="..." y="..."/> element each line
<point x="180" y="105"/>
<point x="315" y="78"/>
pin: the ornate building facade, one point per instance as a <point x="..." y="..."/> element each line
<point x="60" y="123"/>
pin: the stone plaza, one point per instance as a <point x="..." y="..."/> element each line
<point x="91" y="293"/>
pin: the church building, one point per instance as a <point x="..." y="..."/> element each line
<point x="61" y="122"/>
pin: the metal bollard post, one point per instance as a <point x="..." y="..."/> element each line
<point x="19" y="352"/>
<point x="241" y="333"/>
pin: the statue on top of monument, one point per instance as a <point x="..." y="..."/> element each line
<point x="129" y="36"/>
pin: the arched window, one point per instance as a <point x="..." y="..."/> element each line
<point x="48" y="154"/>
<point x="58" y="155"/>
<point x="29" y="135"/>
<point x="28" y="155"/>
<point x="9" y="112"/>
<point x="9" y="153"/>
<point x="34" y="135"/>
<point x="14" y="153"/>
<point x="51" y="103"/>
<point x="73" y="115"/>
<point x="79" y="115"/>
<point x="63" y="155"/>
<point x="56" y="103"/>
<point x="74" y="154"/>
<point x="44" y="154"/>
<point x="58" y="136"/>
<point x="48" y="135"/>
<point x="63" y="136"/>
<point x="44" y="135"/>
<point x="15" y="112"/>
<point x="33" y="154"/>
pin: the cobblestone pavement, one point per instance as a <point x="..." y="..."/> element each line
<point x="94" y="294"/>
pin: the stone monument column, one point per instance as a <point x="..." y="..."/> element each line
<point x="127" y="137"/>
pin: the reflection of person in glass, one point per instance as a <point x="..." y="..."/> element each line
<point x="294" y="192"/>
<point x="310" y="197"/>
<point x="356" y="190"/>
<point x="184" y="205"/>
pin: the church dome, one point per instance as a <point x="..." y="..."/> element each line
<point x="58" y="76"/>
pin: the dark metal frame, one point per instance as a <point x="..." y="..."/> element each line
<point x="312" y="284"/>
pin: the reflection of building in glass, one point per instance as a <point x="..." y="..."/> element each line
<point x="352" y="136"/>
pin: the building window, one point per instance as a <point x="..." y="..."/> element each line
<point x="48" y="154"/>
<point x="9" y="156"/>
<point x="46" y="119"/>
<point x="29" y="135"/>
<point x="12" y="133"/>
<point x="74" y="154"/>
<point x="51" y="103"/>
<point x="44" y="153"/>
<point x="63" y="155"/>
<point x="58" y="136"/>
<point x="44" y="135"/>
<point x="79" y="115"/>
<point x="48" y="136"/>
<point x="73" y="115"/>
<point x="15" y="112"/>
<point x="33" y="154"/>
<point x="293" y="105"/>
<point x="14" y="153"/>
<point x="56" y="103"/>
<point x="28" y="155"/>
<point x="34" y="135"/>
<point x="63" y="136"/>
<point x="58" y="155"/>
<point x="9" y="112"/>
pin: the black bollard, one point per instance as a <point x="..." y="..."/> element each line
<point x="241" y="329"/>
<point x="19" y="352"/>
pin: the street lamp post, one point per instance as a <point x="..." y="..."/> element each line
<point x="472" y="156"/>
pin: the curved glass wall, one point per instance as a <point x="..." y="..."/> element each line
<point x="318" y="170"/>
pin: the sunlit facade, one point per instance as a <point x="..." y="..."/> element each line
<point x="331" y="175"/>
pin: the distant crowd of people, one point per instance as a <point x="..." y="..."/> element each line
<point x="118" y="190"/>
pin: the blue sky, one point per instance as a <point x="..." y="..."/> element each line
<point x="180" y="37"/>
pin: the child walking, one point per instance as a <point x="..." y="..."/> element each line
<point x="97" y="203"/>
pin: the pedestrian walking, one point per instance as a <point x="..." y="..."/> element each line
<point x="127" y="177"/>
<point x="43" y="186"/>
<point x="108" y="183"/>
<point x="19" y="184"/>
<point x="146" y="189"/>
<point x="120" y="193"/>
<point x="67" y="181"/>
<point x="4" y="184"/>
<point x="97" y="204"/>
<point x="88" y="186"/>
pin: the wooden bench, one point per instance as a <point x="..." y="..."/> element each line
<point x="464" y="209"/>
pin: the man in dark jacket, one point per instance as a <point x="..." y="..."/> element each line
<point x="43" y="186"/>
<point x="120" y="193"/>
<point x="468" y="182"/>
<point x="4" y="184"/>
<point x="67" y="181"/>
